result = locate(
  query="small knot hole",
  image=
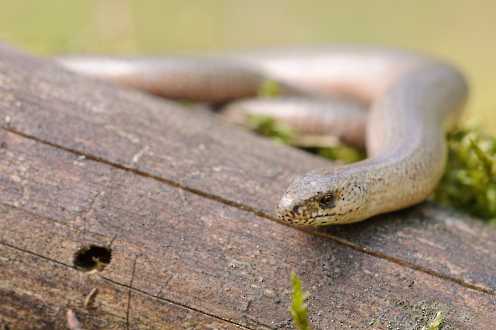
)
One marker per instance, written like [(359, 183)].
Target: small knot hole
[(92, 258)]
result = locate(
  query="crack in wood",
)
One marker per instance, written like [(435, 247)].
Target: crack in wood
[(85, 213), (128, 307)]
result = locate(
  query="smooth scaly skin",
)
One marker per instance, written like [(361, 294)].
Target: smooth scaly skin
[(413, 99)]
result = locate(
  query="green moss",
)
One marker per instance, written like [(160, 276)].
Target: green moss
[(269, 88), (269, 127), (298, 308), (436, 323), (469, 182), (341, 152)]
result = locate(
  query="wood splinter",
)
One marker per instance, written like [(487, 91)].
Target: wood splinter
[(90, 299)]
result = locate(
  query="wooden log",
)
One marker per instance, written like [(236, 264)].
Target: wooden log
[(194, 150), (188, 200)]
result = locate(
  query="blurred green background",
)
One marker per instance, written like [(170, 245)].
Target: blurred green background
[(461, 31)]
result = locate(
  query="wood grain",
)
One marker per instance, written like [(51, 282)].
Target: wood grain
[(195, 252), (37, 292), (193, 149), (188, 199)]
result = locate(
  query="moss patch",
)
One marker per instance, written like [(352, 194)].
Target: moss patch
[(469, 182)]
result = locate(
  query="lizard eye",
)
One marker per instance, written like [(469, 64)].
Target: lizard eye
[(328, 201), (296, 208)]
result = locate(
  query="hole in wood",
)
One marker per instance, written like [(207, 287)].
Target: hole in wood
[(92, 258)]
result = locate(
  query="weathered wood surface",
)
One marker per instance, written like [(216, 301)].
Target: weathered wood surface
[(189, 200)]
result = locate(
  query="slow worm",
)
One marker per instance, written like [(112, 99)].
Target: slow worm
[(413, 99)]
